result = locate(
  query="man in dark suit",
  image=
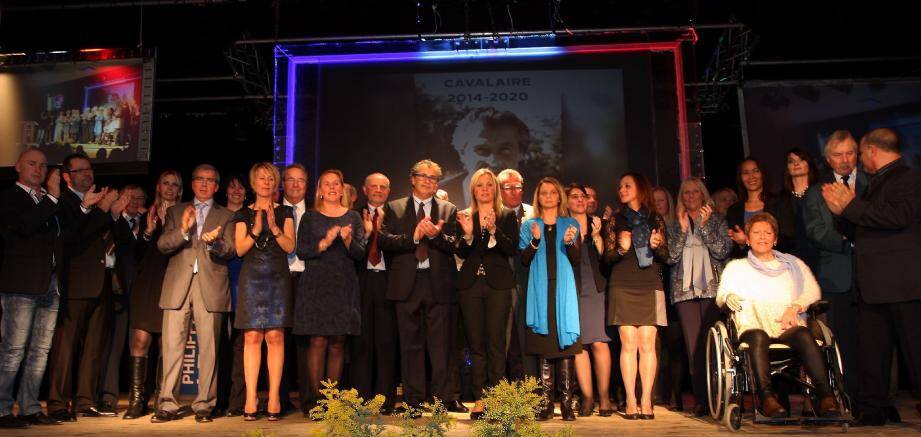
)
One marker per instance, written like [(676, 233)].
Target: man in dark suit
[(29, 286), (519, 365), (834, 242), (84, 328), (887, 245), (374, 353), (417, 238), (199, 236), (125, 232)]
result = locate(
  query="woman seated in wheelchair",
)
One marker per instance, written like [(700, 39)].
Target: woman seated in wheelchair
[(769, 292)]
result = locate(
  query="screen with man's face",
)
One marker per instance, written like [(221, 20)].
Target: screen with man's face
[(549, 117)]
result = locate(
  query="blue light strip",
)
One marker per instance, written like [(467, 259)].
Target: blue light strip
[(430, 56)]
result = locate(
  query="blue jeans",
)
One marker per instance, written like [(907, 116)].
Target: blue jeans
[(27, 328)]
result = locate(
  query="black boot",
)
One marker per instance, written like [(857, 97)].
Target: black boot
[(137, 400), (567, 384), (545, 367)]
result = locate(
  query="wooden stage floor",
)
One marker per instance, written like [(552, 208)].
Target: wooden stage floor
[(665, 423)]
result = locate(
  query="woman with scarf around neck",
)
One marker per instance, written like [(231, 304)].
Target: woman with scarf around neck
[(698, 245), (636, 246), (548, 242), (769, 291)]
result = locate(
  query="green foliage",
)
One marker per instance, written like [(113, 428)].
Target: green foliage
[(435, 426), (257, 433), (509, 411), (344, 413)]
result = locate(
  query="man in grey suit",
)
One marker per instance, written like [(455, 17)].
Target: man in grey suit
[(199, 236), (834, 240)]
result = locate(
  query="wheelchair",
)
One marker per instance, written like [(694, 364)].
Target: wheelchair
[(730, 378)]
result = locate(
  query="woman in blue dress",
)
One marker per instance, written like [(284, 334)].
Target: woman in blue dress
[(264, 238)]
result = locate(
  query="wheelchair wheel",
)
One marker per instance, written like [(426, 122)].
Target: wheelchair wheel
[(836, 370), (733, 417), (717, 382)]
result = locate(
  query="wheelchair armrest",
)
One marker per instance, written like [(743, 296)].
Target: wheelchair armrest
[(818, 307)]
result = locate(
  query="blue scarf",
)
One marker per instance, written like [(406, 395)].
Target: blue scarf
[(567, 300), (787, 262), (638, 221)]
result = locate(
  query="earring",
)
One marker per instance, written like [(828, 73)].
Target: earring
[(321, 196)]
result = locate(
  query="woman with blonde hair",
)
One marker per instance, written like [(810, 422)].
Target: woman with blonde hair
[(664, 204), (264, 236), (698, 246), (488, 237), (548, 244), (331, 238), (144, 313)]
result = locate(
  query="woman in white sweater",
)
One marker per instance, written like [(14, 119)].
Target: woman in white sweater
[(769, 291)]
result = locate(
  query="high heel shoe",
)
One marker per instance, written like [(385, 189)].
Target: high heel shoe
[(249, 417), (273, 417), (631, 416), (644, 416)]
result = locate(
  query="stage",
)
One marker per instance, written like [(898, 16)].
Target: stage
[(666, 423)]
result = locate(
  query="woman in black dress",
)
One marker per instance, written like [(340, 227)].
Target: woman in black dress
[(330, 240), (548, 247), (799, 174), (486, 281), (592, 287), (754, 198), (264, 238), (144, 313), (637, 249)]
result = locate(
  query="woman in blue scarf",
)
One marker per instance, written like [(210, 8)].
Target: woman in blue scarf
[(635, 244), (548, 243)]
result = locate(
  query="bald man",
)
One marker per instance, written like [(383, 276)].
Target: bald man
[(29, 286)]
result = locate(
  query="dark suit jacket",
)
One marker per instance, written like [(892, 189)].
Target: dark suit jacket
[(835, 266), (32, 242), (127, 251), (888, 235), (84, 247), (396, 240), (594, 261), (495, 260), (779, 207)]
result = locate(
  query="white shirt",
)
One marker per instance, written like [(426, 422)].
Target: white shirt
[(851, 181), (37, 197), (765, 298), (296, 264), (427, 207), (381, 265)]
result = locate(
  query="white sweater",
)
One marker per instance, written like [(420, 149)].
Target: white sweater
[(765, 298)]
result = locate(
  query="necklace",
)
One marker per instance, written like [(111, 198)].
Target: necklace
[(798, 194)]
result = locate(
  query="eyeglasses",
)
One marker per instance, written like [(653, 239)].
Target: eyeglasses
[(427, 177), (512, 187), (80, 170), (578, 196), (203, 180), (301, 181)]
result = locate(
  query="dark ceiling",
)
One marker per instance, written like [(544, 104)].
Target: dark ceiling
[(193, 37)]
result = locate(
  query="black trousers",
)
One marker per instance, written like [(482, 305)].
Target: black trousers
[(114, 350), (881, 326), (486, 313), (373, 369), (425, 324), (842, 317), (82, 333), (801, 340), (697, 316)]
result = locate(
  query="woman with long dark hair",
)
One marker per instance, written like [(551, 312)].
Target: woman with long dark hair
[(754, 198), (636, 246), (799, 174)]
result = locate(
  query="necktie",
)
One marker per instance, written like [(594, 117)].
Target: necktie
[(844, 180), (519, 214), (374, 251), (200, 217), (133, 226), (422, 250)]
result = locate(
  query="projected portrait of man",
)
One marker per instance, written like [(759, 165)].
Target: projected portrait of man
[(489, 138)]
